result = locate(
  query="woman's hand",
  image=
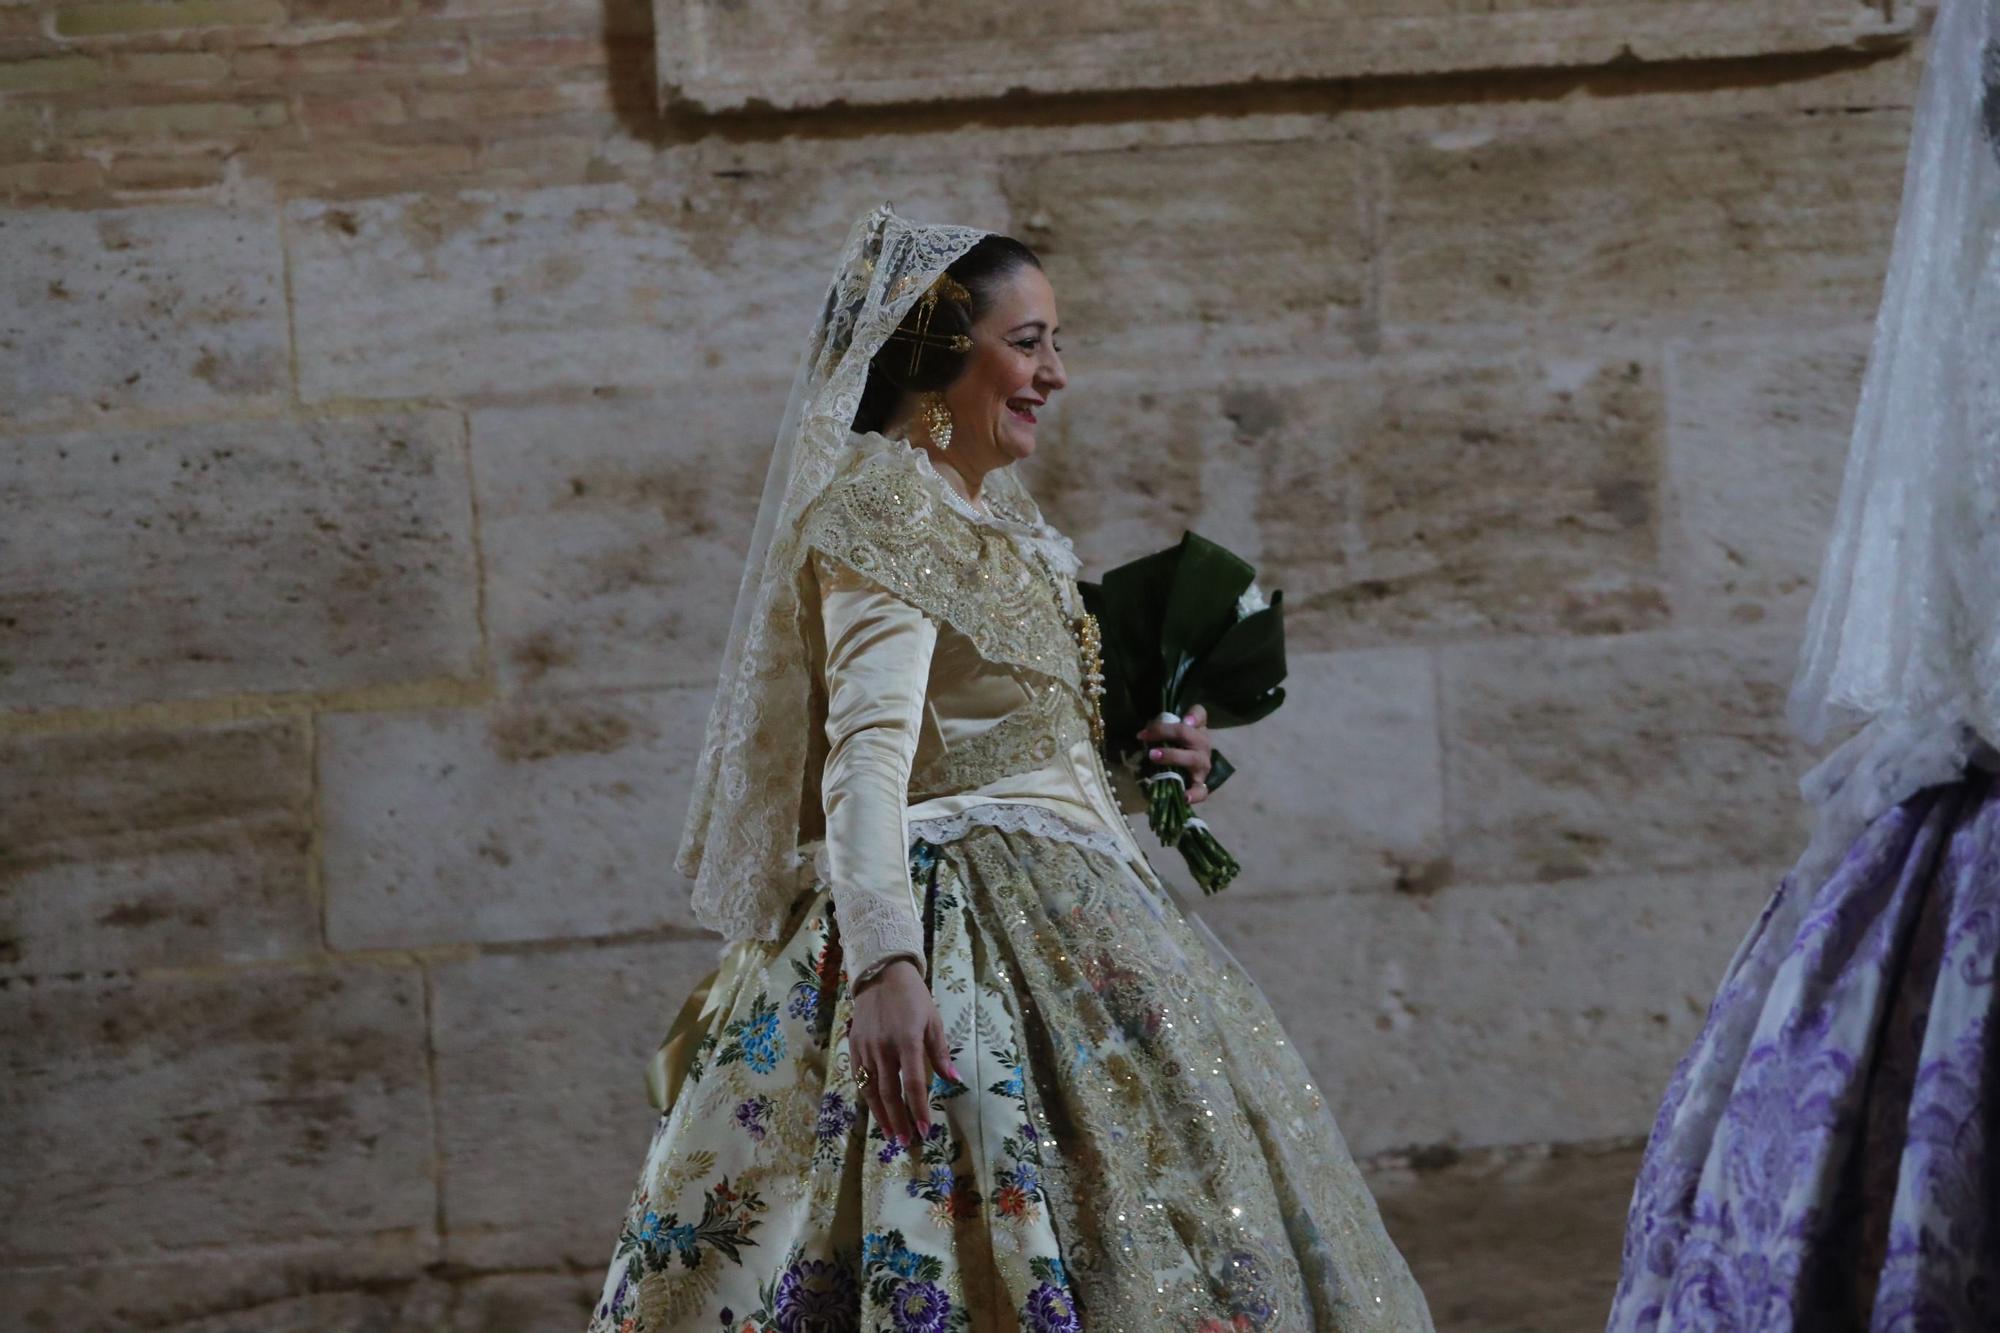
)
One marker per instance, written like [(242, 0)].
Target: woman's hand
[(896, 1040), (1186, 745)]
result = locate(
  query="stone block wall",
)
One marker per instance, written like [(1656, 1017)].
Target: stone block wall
[(385, 391)]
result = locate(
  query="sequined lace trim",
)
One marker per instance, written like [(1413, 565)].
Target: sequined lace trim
[(1029, 738), (889, 521)]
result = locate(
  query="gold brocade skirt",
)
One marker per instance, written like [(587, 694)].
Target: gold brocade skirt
[(1135, 1147)]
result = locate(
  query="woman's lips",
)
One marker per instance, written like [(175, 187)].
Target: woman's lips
[(1022, 412)]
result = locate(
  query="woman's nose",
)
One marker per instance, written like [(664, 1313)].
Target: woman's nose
[(1051, 376)]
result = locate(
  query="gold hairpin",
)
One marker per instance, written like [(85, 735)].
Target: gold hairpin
[(943, 287)]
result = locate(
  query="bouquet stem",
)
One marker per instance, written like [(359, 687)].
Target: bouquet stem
[(1208, 860), (1167, 807), (1170, 815)]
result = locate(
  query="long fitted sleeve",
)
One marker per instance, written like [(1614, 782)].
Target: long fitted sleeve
[(878, 656)]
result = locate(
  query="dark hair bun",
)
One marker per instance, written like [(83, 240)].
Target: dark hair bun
[(922, 354), (910, 363)]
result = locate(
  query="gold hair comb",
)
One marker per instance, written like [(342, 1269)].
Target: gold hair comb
[(943, 287)]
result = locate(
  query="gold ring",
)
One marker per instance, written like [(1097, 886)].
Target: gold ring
[(860, 1077)]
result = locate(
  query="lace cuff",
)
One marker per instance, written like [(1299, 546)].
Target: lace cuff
[(875, 933)]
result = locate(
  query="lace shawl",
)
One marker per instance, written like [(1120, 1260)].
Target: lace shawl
[(891, 518)]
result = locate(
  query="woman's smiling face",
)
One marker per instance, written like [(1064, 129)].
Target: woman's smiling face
[(1013, 370)]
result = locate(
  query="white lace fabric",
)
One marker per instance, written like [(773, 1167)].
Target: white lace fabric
[(1904, 633), (1015, 817), (755, 782)]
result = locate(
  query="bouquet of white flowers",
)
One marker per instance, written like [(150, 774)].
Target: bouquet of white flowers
[(1186, 626)]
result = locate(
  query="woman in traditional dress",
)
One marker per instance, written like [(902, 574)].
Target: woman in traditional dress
[(1824, 1160), (966, 1065)]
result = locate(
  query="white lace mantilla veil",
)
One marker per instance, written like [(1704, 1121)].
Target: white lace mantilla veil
[(1904, 634), (753, 790)]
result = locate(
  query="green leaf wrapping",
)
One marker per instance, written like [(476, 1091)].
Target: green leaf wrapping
[(1238, 679), (1200, 604), (1172, 639)]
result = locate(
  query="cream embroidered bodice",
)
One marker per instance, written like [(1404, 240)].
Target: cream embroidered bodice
[(950, 690)]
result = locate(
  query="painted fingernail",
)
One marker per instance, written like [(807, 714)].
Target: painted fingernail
[(952, 1070), (1154, 753)]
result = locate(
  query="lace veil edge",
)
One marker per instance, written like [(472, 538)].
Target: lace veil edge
[(749, 801), (1903, 639)]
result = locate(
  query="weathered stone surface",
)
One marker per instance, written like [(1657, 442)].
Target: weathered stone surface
[(173, 169), (588, 285), (614, 531), (266, 1105), (379, 1285), (1476, 1017), (1757, 448), (1198, 249), (360, 167), (1662, 223), (1660, 752), (45, 74), (131, 850), (1412, 499), (1421, 500), (530, 820), (120, 18), (542, 1094), (371, 1284), (1523, 1242), (250, 556), (722, 56), (139, 307), (531, 1302), (165, 68), (22, 128), (328, 61), (174, 120), (1340, 791), (1124, 469), (48, 181)]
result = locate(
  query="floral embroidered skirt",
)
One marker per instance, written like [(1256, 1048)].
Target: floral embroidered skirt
[(1136, 1147), (1823, 1161)]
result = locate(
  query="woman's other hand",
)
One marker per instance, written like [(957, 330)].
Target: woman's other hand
[(898, 1039), (1185, 745)]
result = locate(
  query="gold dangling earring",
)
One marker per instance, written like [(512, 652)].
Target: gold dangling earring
[(937, 420)]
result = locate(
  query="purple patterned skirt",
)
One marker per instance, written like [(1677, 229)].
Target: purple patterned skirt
[(1822, 1160)]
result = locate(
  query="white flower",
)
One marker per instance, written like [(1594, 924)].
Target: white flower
[(1251, 602)]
